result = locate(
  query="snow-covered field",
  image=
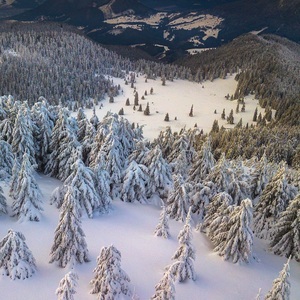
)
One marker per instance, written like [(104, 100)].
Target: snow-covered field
[(129, 227), (176, 98)]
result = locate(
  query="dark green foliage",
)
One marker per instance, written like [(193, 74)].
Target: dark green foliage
[(191, 112), (147, 110), (127, 102), (167, 119), (223, 115), (230, 118), (121, 112)]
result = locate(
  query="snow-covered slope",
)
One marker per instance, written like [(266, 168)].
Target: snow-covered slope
[(129, 227)]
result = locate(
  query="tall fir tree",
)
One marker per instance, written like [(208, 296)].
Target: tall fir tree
[(162, 228), (165, 289), (183, 267), (110, 280), (273, 201), (66, 288), (178, 201), (281, 285), (3, 204), (135, 183), (27, 204), (16, 260), (6, 160), (285, 236), (69, 244), (234, 239), (14, 178)]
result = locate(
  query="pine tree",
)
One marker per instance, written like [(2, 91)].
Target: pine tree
[(273, 201), (22, 140), (6, 160), (14, 178), (69, 241), (285, 237), (178, 201), (110, 281), (281, 285), (183, 267), (162, 228), (238, 231), (3, 204), (102, 182), (27, 204), (223, 115), (6, 130), (16, 260), (203, 165), (82, 179), (191, 114), (255, 115), (66, 287), (147, 110), (134, 183), (165, 289), (167, 118), (238, 189)]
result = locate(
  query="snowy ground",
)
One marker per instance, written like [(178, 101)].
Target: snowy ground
[(176, 98), (130, 228)]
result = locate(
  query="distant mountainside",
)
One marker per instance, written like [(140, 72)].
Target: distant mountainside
[(165, 29), (268, 66)]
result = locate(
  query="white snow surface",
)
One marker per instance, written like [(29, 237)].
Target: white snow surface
[(176, 98), (130, 227)]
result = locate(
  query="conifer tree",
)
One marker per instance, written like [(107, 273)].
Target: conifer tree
[(203, 165), (183, 267), (6, 160), (285, 237), (102, 182), (255, 115), (139, 154), (3, 204), (22, 140), (110, 280), (27, 204), (230, 118), (66, 287), (83, 181), (162, 228), (273, 201), (191, 114), (69, 244), (165, 289), (6, 129), (14, 178), (238, 231), (238, 189), (135, 183), (178, 201), (147, 110), (167, 118), (16, 260), (281, 285)]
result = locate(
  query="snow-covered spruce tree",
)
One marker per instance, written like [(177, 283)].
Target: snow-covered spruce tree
[(6, 160), (165, 289), (110, 280), (114, 158), (285, 236), (3, 204), (87, 142), (139, 154), (183, 267), (178, 201), (27, 204), (273, 201), (66, 287), (180, 165), (180, 145), (238, 243), (16, 260), (260, 177), (43, 120), (216, 209), (63, 141), (238, 189), (201, 196), (159, 172), (162, 228), (14, 178), (6, 129), (82, 124), (220, 174), (69, 244), (203, 164), (135, 182), (165, 140), (281, 285), (82, 181), (102, 184), (22, 140)]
